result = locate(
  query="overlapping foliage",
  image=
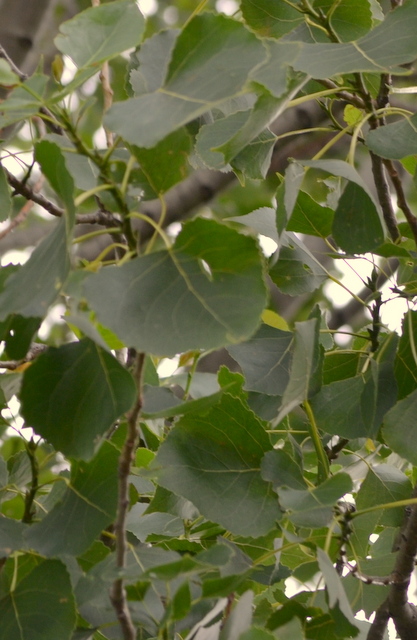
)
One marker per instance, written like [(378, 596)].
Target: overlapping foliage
[(226, 486)]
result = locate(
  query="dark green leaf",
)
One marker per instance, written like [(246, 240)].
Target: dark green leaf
[(305, 366), (384, 484), (400, 427), (314, 508), (34, 287), (191, 88), (265, 360), (337, 408), (167, 163), (102, 32), (296, 271), (310, 217), (357, 226), (73, 394), (11, 536), (52, 163), (395, 140), (369, 53), (214, 460), (208, 265), (87, 506), (405, 365), (350, 19), (153, 59), (270, 19), (282, 470), (41, 606), (5, 198)]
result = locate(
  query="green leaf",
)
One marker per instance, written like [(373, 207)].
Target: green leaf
[(52, 163), (282, 470), (208, 265), (405, 365), (265, 360), (143, 525), (24, 101), (310, 218), (384, 484), (349, 19), (314, 508), (167, 163), (357, 226), (304, 367), (270, 19), (296, 271), (400, 427), (191, 88), (73, 394), (153, 59), (396, 140), (34, 287), (41, 606), (11, 536), (86, 508), (369, 53), (5, 197), (100, 33), (214, 460), (261, 220), (337, 595), (7, 77), (337, 408)]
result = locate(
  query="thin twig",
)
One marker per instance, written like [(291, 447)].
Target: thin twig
[(118, 593), (401, 199), (351, 98), (384, 196), (31, 447)]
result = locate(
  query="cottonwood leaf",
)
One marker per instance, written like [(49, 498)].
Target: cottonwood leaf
[(314, 508), (33, 288), (369, 53), (350, 19), (384, 484), (357, 227), (73, 394), (265, 360), (305, 366), (213, 460), (41, 606), (53, 166), (396, 140), (206, 292), (337, 408), (296, 271), (86, 508), (270, 19), (153, 59), (262, 220), (400, 427), (310, 218), (11, 535), (102, 32), (5, 196), (405, 365), (24, 101), (191, 88)]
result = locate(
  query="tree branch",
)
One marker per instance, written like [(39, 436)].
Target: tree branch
[(401, 199), (118, 593)]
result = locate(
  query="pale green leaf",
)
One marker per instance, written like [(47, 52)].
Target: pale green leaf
[(349, 19), (171, 301), (7, 77), (41, 606), (337, 408), (310, 218), (86, 508), (270, 19), (213, 460), (73, 394), (357, 227), (384, 484), (153, 58), (102, 32), (24, 101), (262, 220), (52, 163)]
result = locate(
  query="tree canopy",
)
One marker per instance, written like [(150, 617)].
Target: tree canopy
[(196, 441)]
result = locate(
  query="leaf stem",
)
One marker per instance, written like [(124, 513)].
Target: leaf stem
[(322, 460)]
